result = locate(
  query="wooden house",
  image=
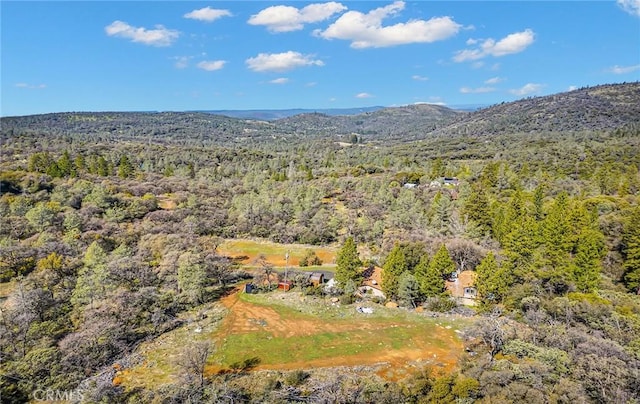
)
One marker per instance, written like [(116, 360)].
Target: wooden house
[(316, 278)]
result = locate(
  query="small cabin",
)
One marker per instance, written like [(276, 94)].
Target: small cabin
[(470, 292), (285, 285), (316, 278)]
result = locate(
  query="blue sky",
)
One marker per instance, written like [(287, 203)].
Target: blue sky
[(188, 55)]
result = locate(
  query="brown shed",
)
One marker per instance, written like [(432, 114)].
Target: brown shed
[(316, 278), (285, 285)]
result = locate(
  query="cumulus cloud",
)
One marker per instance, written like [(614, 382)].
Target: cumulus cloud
[(281, 80), (623, 69), (160, 36), (419, 78), (367, 31), (630, 6), (572, 88), (207, 14), (494, 80), (288, 18), (512, 43), (31, 86), (527, 89), (363, 95), (211, 65), (280, 62), (479, 90)]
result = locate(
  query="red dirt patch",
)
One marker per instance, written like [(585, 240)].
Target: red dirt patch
[(395, 364)]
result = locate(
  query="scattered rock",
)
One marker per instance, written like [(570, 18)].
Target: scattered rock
[(392, 305)]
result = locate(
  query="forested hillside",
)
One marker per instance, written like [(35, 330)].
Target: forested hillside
[(111, 223)]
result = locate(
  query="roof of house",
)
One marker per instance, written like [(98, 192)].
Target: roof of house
[(465, 279), (373, 277)]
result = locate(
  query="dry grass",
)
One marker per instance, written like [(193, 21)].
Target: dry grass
[(247, 251)]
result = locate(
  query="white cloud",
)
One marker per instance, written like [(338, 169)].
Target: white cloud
[(510, 44), (623, 69), (211, 65), (280, 62), (181, 62), (160, 36), (281, 80), (479, 90), (494, 80), (363, 95), (529, 88), (419, 78), (31, 86), (367, 31), (288, 18), (630, 6), (311, 84), (207, 14), (571, 88)]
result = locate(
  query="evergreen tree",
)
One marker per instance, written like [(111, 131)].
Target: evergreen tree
[(79, 163), (348, 263), (191, 276), (588, 260), (65, 165), (441, 263), (394, 266), (556, 232), (492, 280), (125, 169), (91, 283), (102, 167), (538, 203), (477, 209), (430, 279), (631, 250), (408, 290)]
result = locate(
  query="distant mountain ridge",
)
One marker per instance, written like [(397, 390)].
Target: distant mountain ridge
[(600, 108), (273, 114)]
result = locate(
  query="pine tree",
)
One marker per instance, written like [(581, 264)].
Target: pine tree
[(492, 280), (631, 250), (430, 280), (538, 202), (408, 290), (91, 283), (102, 167), (348, 263), (125, 169), (588, 260), (394, 266), (477, 209), (441, 263), (65, 165), (191, 276), (556, 232)]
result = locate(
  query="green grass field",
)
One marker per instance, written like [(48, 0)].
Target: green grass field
[(287, 331), (249, 250)]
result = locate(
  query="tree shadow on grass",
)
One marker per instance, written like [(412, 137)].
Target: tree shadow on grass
[(245, 365)]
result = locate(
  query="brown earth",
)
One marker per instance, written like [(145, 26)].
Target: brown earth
[(245, 317)]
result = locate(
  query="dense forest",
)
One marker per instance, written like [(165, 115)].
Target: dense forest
[(110, 224)]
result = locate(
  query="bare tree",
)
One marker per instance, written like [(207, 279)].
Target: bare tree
[(193, 360)]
